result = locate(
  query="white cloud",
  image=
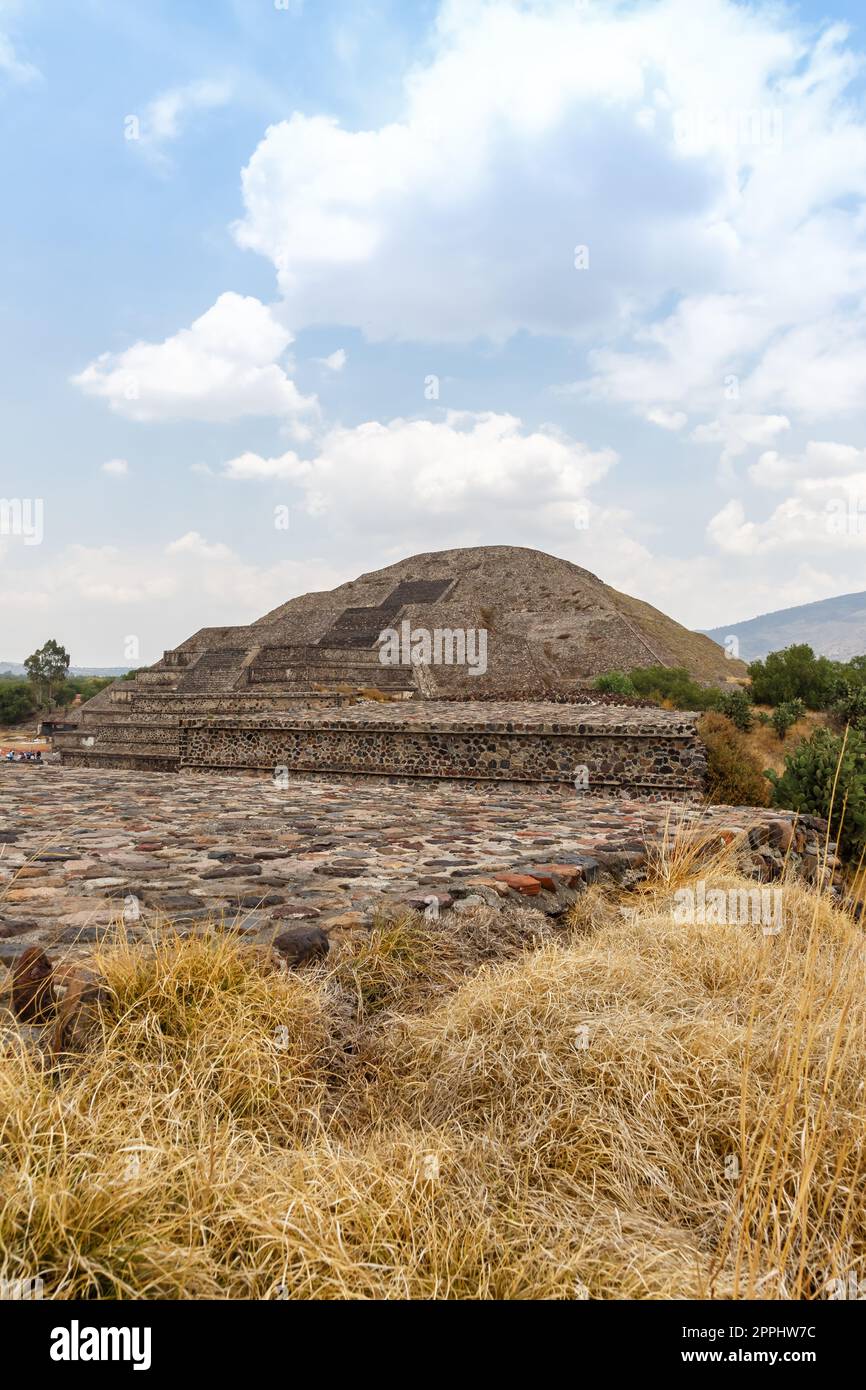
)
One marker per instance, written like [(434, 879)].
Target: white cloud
[(667, 419), (117, 468), (12, 66), (822, 515), (818, 369), (418, 478), (707, 590), (519, 138), (166, 116), (463, 214), (819, 460), (725, 291), (226, 365), (336, 362), (94, 598), (251, 466), (737, 433), (194, 544)]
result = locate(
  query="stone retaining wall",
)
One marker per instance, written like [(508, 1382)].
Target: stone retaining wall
[(644, 756), (649, 752)]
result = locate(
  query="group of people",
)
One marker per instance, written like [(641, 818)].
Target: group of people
[(18, 755)]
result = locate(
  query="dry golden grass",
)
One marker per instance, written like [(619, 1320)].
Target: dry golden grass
[(769, 749), (486, 1107)]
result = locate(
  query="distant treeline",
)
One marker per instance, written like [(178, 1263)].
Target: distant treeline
[(793, 674), (19, 699)]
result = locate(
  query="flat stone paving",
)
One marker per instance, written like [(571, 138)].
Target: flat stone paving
[(75, 843), (533, 716)]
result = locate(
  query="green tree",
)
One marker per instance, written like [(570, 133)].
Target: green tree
[(48, 668), (795, 673), (16, 701)]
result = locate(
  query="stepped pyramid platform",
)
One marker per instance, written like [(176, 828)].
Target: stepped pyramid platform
[(282, 692)]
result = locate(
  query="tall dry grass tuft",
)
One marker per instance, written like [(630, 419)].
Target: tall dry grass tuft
[(486, 1107)]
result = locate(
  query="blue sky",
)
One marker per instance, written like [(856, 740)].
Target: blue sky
[(577, 275)]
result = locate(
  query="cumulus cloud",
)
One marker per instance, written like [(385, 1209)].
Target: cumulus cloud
[(703, 152), (819, 460), (707, 590), (738, 432), (708, 157), (824, 511), (421, 476), (461, 218), (821, 515), (226, 365), (116, 468)]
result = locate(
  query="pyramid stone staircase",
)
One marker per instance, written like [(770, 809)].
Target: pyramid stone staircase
[(137, 723)]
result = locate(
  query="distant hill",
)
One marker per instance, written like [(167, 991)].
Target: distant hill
[(834, 627), (14, 668)]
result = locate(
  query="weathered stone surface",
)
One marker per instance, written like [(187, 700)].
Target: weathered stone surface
[(301, 945), (649, 752), (549, 875), (386, 846), (521, 883), (73, 936), (231, 871), (296, 910), (14, 928)]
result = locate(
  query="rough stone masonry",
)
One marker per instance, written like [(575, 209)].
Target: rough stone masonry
[(87, 852)]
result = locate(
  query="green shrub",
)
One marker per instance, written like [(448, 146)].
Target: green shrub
[(795, 673), (850, 705), (784, 716), (734, 776), (614, 683), (674, 684), (736, 705), (809, 777)]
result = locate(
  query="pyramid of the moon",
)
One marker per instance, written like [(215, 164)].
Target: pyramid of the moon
[(535, 625)]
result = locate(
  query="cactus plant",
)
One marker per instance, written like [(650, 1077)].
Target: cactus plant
[(813, 769), (850, 705)]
